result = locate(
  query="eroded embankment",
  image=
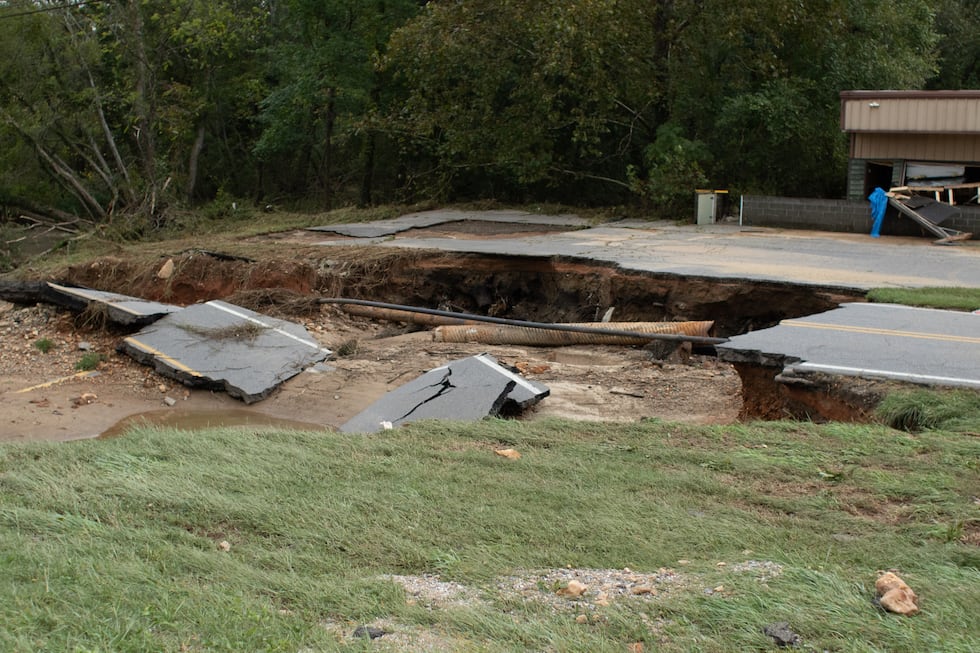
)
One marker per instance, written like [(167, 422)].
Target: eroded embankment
[(537, 289)]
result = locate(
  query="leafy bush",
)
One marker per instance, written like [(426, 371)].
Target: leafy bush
[(673, 170)]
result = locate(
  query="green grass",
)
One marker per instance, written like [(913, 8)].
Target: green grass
[(113, 545), (89, 361), (957, 299), (923, 409), (44, 345)]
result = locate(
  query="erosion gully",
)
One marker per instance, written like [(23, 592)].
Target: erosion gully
[(535, 289)]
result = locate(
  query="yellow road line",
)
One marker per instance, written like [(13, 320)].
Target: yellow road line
[(159, 354), (883, 332), (79, 375)]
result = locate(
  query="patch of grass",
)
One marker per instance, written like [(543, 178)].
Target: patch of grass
[(347, 348), (89, 361), (925, 409), (114, 544), (241, 331), (957, 299), (44, 345)]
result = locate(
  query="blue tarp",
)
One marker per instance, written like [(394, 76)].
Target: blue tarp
[(879, 202)]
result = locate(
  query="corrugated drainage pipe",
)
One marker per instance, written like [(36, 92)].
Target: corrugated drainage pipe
[(513, 335), (677, 337)]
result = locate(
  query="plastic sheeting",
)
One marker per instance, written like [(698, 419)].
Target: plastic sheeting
[(879, 203)]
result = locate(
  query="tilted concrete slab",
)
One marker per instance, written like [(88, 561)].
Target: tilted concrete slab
[(468, 389), (881, 341), (432, 218), (121, 309), (222, 345)]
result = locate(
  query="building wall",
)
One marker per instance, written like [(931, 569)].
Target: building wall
[(953, 148), (849, 216), (938, 113)]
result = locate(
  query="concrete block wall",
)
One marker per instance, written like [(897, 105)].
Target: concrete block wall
[(849, 216)]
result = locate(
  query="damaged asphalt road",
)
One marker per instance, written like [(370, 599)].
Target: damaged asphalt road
[(468, 390)]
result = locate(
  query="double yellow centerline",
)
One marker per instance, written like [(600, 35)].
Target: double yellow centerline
[(883, 332)]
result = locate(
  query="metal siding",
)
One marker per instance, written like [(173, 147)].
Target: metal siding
[(930, 115), (926, 147)]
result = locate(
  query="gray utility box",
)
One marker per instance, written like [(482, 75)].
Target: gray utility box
[(708, 206)]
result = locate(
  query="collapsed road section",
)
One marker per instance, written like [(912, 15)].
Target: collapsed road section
[(220, 344), (872, 342), (466, 390)]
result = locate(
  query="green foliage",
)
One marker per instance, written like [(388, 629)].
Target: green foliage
[(958, 24), (673, 167), (922, 410), (125, 113), (961, 299), (516, 95), (89, 361), (44, 345)]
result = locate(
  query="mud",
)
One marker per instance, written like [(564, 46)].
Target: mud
[(591, 383)]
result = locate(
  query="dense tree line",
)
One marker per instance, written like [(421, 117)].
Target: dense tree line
[(116, 111)]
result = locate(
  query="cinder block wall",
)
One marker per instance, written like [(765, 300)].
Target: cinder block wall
[(841, 215)]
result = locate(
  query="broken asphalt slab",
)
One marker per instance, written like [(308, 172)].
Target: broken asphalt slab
[(218, 344), (120, 309), (874, 341), (382, 228), (464, 390)]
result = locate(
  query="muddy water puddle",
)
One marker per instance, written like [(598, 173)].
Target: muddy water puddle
[(199, 420)]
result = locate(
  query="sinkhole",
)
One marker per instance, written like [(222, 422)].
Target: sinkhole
[(552, 289)]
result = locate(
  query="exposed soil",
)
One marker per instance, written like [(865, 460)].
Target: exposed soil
[(282, 275), (42, 398)]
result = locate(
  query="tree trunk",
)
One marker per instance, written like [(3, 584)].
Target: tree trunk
[(193, 163), (144, 104), (367, 181)]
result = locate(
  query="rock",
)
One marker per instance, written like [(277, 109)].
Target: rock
[(581, 619), (781, 634), (510, 454), (85, 346), (166, 270), (225, 546), (642, 589), (636, 647), (895, 595), (889, 581), (84, 399), (170, 401), (369, 632), (900, 602), (573, 590)]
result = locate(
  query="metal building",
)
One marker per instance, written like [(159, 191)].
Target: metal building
[(928, 141)]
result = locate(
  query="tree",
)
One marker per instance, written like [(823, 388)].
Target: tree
[(324, 86), (762, 87), (507, 95), (958, 23), (113, 98)]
